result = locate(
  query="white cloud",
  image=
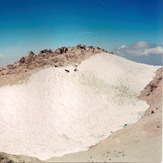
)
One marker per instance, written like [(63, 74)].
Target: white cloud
[(140, 44), (156, 50), (140, 48)]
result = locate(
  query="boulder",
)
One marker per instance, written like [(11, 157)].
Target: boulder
[(22, 60), (31, 54), (61, 50), (29, 60), (30, 57), (81, 46), (10, 66), (46, 51)]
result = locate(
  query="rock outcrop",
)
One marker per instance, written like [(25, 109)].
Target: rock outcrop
[(153, 94), (7, 158), (150, 88)]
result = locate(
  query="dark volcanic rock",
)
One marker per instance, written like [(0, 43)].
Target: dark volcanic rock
[(61, 50), (81, 46), (46, 51), (22, 60)]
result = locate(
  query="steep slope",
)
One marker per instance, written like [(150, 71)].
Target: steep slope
[(138, 142), (77, 106), (153, 94)]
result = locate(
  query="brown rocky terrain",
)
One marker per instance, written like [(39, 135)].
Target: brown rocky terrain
[(8, 158), (153, 94), (31, 63)]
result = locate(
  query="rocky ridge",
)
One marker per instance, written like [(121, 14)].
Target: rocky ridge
[(48, 57), (64, 56)]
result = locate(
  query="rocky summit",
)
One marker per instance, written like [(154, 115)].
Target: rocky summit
[(47, 57)]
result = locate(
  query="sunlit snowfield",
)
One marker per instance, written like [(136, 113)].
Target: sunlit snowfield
[(57, 112)]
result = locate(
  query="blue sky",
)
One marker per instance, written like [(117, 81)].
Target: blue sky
[(38, 24)]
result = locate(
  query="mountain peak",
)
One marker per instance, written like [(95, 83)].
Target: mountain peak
[(62, 56)]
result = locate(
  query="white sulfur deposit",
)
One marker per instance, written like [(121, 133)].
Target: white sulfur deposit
[(57, 112)]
